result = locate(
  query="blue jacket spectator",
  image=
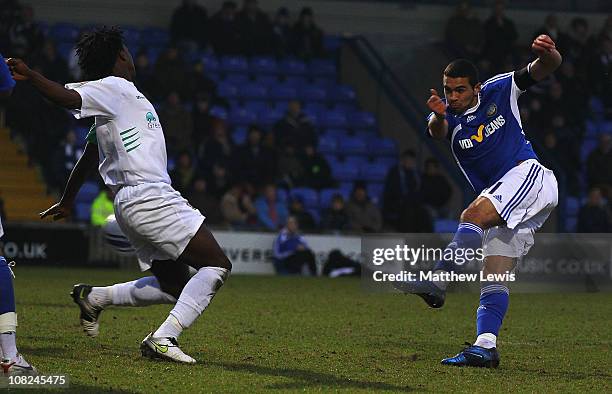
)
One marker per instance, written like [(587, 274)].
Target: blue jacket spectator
[(291, 252), (271, 212)]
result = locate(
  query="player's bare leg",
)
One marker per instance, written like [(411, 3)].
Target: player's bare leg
[(205, 255)]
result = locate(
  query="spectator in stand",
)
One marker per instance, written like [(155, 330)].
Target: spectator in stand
[(24, 35), (317, 173), (219, 179), (364, 216), (500, 37), (281, 32), (188, 27), (225, 31), (144, 79), (594, 216), (576, 94), (200, 83), (296, 209), (290, 168), (183, 174), (464, 33), (51, 64), (255, 29), (551, 29), (255, 162), (177, 124), (436, 191), (402, 185), (271, 212), (599, 166), (335, 218), (237, 207), (203, 121), (291, 252), (580, 47), (600, 73), (295, 127), (66, 157), (170, 73), (307, 37), (218, 148), (205, 202), (102, 208)]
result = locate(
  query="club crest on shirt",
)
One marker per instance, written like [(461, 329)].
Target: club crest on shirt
[(492, 110)]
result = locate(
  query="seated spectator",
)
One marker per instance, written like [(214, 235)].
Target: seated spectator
[(52, 65), (170, 73), (218, 148), (500, 37), (436, 191), (464, 33), (254, 161), (600, 69), (363, 215), (219, 179), (271, 212), (594, 216), (225, 31), (317, 173), (255, 29), (291, 252), (177, 124), (188, 27), (290, 169), (203, 120), (599, 165), (183, 174), (296, 209), (200, 85), (295, 128), (102, 208), (66, 158), (144, 79), (206, 203), (335, 218), (402, 185), (281, 32), (237, 208), (307, 37)]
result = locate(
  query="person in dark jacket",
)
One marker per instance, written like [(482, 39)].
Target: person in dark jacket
[(594, 216)]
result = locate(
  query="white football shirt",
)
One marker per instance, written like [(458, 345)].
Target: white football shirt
[(128, 133)]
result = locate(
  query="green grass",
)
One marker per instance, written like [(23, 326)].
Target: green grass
[(295, 334)]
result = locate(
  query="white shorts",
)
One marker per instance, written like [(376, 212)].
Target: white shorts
[(524, 198), (157, 220)]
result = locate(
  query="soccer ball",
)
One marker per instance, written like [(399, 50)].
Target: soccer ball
[(115, 238)]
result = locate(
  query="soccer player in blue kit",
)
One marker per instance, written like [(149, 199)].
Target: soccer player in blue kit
[(516, 193)]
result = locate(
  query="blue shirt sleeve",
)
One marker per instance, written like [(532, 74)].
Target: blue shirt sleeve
[(6, 80)]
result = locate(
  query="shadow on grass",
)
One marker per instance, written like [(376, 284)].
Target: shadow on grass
[(304, 378)]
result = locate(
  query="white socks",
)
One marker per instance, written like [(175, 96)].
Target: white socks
[(141, 292), (9, 345), (194, 299), (486, 340)]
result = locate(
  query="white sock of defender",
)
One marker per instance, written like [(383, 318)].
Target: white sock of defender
[(486, 340), (194, 299), (140, 292)]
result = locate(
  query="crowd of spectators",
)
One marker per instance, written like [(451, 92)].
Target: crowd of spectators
[(564, 115)]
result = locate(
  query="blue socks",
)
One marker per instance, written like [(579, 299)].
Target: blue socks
[(7, 295), (468, 236), (494, 298)]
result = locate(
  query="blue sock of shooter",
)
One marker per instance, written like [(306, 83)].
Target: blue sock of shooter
[(467, 237), (7, 295), (494, 298)]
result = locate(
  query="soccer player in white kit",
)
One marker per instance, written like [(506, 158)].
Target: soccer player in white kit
[(128, 147)]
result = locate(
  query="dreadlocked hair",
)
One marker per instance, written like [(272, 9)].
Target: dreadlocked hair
[(98, 50)]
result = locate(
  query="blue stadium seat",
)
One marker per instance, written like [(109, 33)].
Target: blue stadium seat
[(283, 92), (64, 32), (362, 120), (346, 188), (606, 127), (597, 106), (571, 224), (336, 133), (375, 192), (309, 197), (280, 105), (227, 90), (572, 206), (269, 117), (131, 35), (331, 159), (281, 195), (218, 112), (382, 147), (346, 107), (82, 212), (387, 162), (256, 106), (356, 160), (445, 226), (324, 82), (588, 145), (342, 93), (236, 64), (292, 67), (373, 172), (64, 49), (327, 144), (171, 163), (322, 67), (315, 106), (237, 79), (334, 119), (326, 195), (592, 128), (267, 80), (296, 81), (365, 134), (253, 91), (154, 37), (89, 191), (216, 77), (211, 63), (263, 65), (312, 93), (242, 117), (353, 146), (313, 115), (239, 135), (345, 172)]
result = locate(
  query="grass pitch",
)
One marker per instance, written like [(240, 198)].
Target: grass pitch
[(315, 334)]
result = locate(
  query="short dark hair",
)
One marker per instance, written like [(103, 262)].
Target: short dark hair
[(98, 50), (462, 68)]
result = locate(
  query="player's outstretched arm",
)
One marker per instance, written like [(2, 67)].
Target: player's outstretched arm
[(548, 57), (81, 171), (55, 92), (438, 125)]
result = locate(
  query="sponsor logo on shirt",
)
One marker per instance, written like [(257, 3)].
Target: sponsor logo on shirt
[(152, 122), (483, 132), (470, 118)]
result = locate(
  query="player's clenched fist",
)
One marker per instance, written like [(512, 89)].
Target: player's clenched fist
[(19, 70), (542, 44), (436, 104)]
